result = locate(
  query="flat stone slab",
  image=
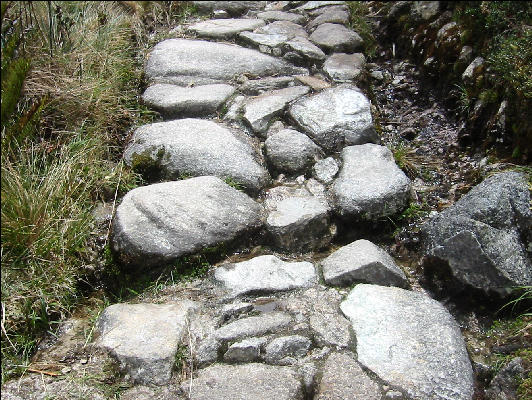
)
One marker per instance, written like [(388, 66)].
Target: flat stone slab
[(245, 382), (281, 16), (336, 38), (335, 15), (370, 184), (285, 349), (158, 223), (196, 147), (175, 101), (335, 117), (184, 62), (343, 378), (362, 261), (255, 87), (259, 111), (313, 5), (303, 49), (286, 28), (265, 274), (253, 326), (246, 350), (234, 8), (224, 28), (144, 337), (263, 39), (314, 82), (341, 67), (331, 329), (411, 341), (291, 151)]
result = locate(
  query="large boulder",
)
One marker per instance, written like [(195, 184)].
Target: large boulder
[(370, 184), (158, 223), (196, 147), (184, 62), (335, 117), (481, 237), (411, 341)]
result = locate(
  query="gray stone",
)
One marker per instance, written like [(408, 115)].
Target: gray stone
[(280, 350), (286, 28), (466, 55), (234, 310), (304, 49), (158, 223), (224, 28), (234, 8), (300, 224), (343, 378), (334, 15), (425, 10), (207, 351), (325, 170), (185, 62), (362, 261), (245, 382), (291, 151), (473, 70), (144, 337), (479, 237), (330, 329), (314, 82), (254, 326), (341, 67), (175, 101), (334, 38), (410, 341), (335, 117), (312, 5), (259, 111), (370, 184), (265, 274), (255, 87), (234, 109), (245, 351), (504, 385), (263, 39), (281, 16), (196, 147), (141, 392)]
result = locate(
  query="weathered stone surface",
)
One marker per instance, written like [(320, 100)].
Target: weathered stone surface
[(334, 38), (325, 170), (370, 184), (473, 70), (291, 151), (334, 15), (411, 341), (341, 67), (330, 329), (362, 261), (234, 8), (314, 82), (265, 274), (245, 351), (184, 61), (480, 236), (255, 87), (335, 117), (245, 382), (253, 326), (304, 49), (224, 28), (282, 349), (504, 385), (285, 28), (343, 378), (140, 392), (259, 111), (263, 39), (207, 351), (281, 16), (176, 101), (425, 10), (144, 337), (300, 224), (158, 223), (312, 5), (196, 147)]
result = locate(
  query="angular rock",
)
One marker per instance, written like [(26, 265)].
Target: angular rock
[(313, 5), (144, 337), (281, 16), (244, 351), (480, 237), (259, 111), (265, 274), (286, 28), (370, 184), (341, 67), (473, 70), (183, 61), (255, 87), (334, 15), (291, 151), (175, 101), (335, 38), (304, 49), (325, 170), (195, 147), (335, 117), (314, 82), (207, 352), (234, 8), (280, 349), (330, 329), (263, 39), (224, 28), (254, 326), (504, 385), (343, 378), (158, 223), (410, 341), (300, 224), (362, 261), (245, 382)]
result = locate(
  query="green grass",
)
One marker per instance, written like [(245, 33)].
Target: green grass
[(358, 21)]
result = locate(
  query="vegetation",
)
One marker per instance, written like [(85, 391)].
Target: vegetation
[(358, 21), (71, 74)]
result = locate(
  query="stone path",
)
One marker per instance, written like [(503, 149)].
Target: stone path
[(283, 120)]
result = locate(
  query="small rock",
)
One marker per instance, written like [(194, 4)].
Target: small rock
[(286, 346), (335, 15), (504, 385), (314, 82), (207, 352), (305, 49), (330, 329), (263, 39), (336, 38), (473, 70), (253, 326), (291, 151), (281, 16), (256, 87), (325, 170), (341, 67), (286, 28), (245, 351), (224, 28)]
